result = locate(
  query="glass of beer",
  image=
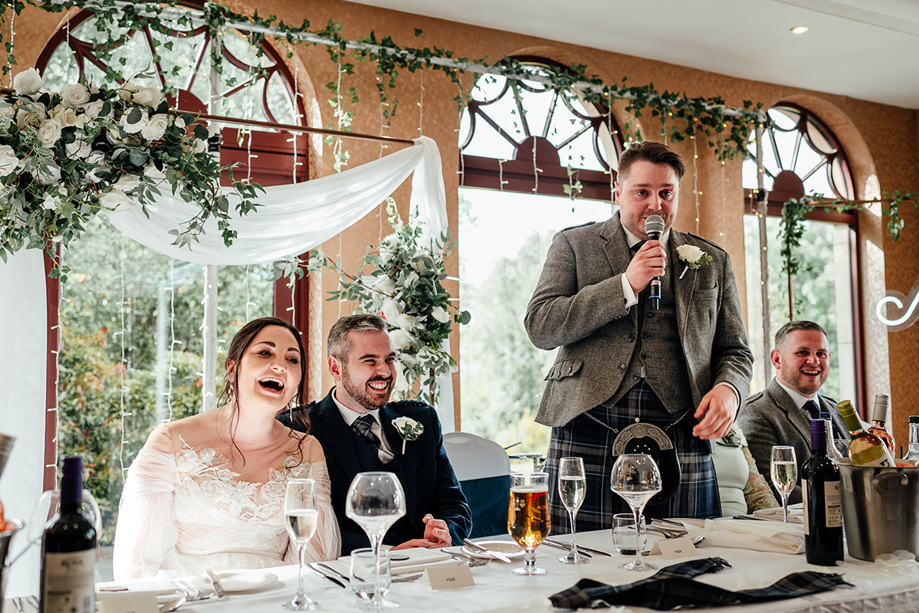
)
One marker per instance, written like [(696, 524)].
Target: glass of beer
[(528, 516)]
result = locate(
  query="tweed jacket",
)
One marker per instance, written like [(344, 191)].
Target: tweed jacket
[(770, 417), (424, 470), (579, 306)]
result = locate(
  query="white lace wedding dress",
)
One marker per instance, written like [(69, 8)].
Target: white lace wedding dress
[(186, 507)]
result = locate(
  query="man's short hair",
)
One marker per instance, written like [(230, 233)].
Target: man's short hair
[(338, 343), (794, 326), (650, 151)]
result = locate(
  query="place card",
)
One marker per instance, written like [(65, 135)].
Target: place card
[(449, 577), (128, 602), (676, 548)]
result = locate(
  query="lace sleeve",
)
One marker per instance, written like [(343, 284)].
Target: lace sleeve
[(146, 528), (326, 543)]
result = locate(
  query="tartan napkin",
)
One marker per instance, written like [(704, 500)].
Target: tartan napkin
[(673, 588)]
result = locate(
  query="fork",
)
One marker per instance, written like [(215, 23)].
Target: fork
[(469, 560)]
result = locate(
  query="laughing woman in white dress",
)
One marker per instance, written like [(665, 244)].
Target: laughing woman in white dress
[(208, 490)]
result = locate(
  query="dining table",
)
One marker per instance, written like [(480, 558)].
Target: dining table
[(889, 584)]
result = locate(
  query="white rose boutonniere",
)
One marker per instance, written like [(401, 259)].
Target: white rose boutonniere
[(408, 429), (693, 257)]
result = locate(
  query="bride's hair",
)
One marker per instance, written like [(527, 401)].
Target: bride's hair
[(235, 353)]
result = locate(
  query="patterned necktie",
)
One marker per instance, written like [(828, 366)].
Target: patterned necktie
[(634, 249), (811, 407), (362, 426)]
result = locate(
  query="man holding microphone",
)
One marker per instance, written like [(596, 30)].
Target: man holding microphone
[(649, 328)]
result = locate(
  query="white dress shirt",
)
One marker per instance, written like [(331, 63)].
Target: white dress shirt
[(350, 416)]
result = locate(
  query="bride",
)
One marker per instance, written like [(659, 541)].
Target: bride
[(208, 490)]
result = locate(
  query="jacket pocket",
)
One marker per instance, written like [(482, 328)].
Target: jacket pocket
[(564, 368)]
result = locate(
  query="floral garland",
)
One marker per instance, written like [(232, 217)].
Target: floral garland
[(64, 156), (405, 287)]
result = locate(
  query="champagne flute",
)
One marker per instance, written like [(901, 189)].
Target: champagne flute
[(572, 486), (375, 501), (784, 471), (528, 516), (636, 477), (302, 516)]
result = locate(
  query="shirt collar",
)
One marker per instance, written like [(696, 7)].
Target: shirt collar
[(350, 415), (796, 397), (633, 240)]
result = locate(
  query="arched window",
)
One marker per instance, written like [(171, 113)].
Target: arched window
[(801, 155), (533, 161), (131, 319)]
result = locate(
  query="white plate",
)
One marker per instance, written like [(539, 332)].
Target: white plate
[(508, 548), (235, 582)]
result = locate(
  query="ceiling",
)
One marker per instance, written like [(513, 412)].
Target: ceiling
[(865, 50)]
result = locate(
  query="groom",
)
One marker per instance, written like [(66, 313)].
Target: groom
[(354, 424)]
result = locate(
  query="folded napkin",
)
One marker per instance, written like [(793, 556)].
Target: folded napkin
[(755, 535), (406, 561), (795, 514), (673, 587), (151, 585)]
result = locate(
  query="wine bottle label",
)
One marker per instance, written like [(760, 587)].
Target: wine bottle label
[(804, 508), (876, 455), (832, 492), (69, 582)]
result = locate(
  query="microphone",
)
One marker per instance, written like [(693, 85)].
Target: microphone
[(654, 228)]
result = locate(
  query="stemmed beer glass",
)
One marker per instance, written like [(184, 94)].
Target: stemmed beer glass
[(375, 501), (784, 470), (302, 517), (572, 486), (528, 516), (636, 477)]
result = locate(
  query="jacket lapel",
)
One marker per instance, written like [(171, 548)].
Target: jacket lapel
[(616, 248), (405, 463), (682, 288), (338, 442), (795, 415)]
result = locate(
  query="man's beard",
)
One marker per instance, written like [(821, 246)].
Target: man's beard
[(359, 392)]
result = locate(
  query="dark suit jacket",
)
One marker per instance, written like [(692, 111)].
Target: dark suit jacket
[(424, 471), (579, 306), (770, 418)]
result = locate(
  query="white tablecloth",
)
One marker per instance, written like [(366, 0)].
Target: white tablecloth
[(879, 587)]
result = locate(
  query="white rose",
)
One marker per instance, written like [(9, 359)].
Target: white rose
[(180, 123), (410, 280), (689, 253), (75, 95), (49, 175), (134, 128), (98, 160), (93, 109), (127, 183), (8, 160), (49, 131), (127, 90), (114, 137), (78, 148), (50, 203), (30, 114), (392, 311), (113, 199), (401, 385), (385, 254), (401, 339), (27, 82), (152, 172), (67, 117), (156, 128), (200, 146), (440, 315), (148, 96), (8, 111), (384, 284)]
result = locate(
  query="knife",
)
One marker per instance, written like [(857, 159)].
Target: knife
[(322, 573), (218, 589), (581, 548), (565, 547), (476, 547), (334, 572)]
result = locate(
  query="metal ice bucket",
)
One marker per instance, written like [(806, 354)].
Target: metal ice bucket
[(5, 537), (880, 509)]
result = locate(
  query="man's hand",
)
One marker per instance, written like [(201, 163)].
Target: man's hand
[(719, 408), (649, 262), (436, 534)]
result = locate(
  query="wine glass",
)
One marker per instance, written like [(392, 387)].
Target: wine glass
[(375, 501), (528, 516), (784, 471), (637, 479), (302, 517), (572, 485)]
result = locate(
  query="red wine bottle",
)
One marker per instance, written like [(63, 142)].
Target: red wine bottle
[(68, 550), (821, 491)]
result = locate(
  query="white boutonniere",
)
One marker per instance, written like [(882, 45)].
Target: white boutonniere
[(693, 257), (408, 429)]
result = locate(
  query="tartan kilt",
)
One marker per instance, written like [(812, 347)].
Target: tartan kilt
[(696, 496)]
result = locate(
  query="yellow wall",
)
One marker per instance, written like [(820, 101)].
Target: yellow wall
[(879, 139)]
